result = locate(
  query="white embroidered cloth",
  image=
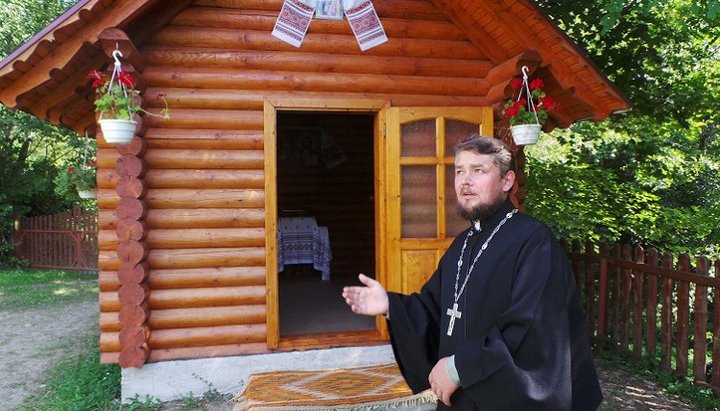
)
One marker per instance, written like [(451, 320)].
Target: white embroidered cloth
[(302, 241), (292, 24)]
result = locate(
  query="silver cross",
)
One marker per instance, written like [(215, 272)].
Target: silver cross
[(453, 313)]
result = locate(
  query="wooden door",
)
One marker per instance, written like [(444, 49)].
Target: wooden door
[(421, 204)]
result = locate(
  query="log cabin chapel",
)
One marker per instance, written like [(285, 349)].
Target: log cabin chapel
[(228, 231)]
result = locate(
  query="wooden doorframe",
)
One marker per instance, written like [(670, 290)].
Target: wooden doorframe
[(271, 107)]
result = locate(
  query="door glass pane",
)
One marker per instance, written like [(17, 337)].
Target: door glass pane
[(454, 224), (418, 202), (455, 132), (418, 138)]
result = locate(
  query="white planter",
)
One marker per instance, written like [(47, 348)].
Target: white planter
[(117, 131), (87, 193), (525, 134)]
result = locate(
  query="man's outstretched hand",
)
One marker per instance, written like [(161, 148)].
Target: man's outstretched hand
[(372, 299)]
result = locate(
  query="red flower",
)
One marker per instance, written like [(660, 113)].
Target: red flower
[(97, 77), (520, 103), (70, 169), (126, 79), (516, 83), (536, 84), (548, 102), (511, 111)]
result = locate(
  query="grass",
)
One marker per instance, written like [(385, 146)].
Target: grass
[(681, 386), (79, 382), (22, 289)]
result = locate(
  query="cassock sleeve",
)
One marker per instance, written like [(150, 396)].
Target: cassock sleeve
[(414, 326), (524, 361)]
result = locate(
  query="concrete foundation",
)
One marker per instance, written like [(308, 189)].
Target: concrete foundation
[(171, 380)]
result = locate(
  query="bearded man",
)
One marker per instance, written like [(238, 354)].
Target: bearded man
[(499, 325)]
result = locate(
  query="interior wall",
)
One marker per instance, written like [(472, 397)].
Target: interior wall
[(338, 188)]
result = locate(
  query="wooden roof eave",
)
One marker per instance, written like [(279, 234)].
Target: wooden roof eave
[(60, 56)]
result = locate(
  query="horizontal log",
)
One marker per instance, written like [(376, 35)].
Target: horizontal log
[(205, 159), (110, 322), (192, 118), (208, 257), (336, 44), (313, 98), (415, 9), (207, 317), (178, 138), (185, 218), (110, 342), (265, 21), (207, 297), (108, 261), (318, 62), (225, 198), (186, 199), (201, 336), (187, 238), (207, 277), (109, 357), (164, 76), (166, 354), (191, 278), (192, 258), (191, 179)]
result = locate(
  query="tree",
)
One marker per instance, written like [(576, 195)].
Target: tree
[(649, 176), (31, 150)]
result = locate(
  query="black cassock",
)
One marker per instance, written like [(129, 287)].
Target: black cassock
[(521, 342)]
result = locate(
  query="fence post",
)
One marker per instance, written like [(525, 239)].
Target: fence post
[(715, 381), (603, 291), (589, 285), (683, 317), (700, 315), (638, 308), (667, 317), (652, 301)]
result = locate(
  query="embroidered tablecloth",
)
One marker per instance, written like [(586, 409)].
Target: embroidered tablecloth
[(302, 241)]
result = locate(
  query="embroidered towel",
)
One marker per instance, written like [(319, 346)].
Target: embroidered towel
[(365, 23), (294, 20)]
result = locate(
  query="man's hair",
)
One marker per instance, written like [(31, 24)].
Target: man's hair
[(501, 155)]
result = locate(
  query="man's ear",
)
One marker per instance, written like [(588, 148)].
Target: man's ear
[(508, 181)]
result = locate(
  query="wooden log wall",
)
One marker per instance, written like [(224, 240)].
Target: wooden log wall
[(637, 284), (215, 63)]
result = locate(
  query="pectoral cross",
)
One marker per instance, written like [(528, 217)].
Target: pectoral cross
[(453, 313)]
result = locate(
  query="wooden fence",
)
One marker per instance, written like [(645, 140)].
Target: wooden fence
[(653, 305), (65, 240)]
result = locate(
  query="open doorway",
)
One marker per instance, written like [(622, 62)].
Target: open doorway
[(326, 218)]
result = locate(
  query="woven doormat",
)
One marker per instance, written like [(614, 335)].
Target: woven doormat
[(361, 388)]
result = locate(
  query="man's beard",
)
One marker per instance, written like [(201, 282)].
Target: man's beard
[(481, 212)]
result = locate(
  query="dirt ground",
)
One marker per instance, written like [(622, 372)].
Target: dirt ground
[(32, 340)]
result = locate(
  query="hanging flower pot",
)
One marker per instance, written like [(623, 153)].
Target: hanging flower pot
[(524, 134), (117, 131), (86, 194), (529, 110), (117, 101)]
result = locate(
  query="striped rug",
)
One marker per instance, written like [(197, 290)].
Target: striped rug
[(363, 388)]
